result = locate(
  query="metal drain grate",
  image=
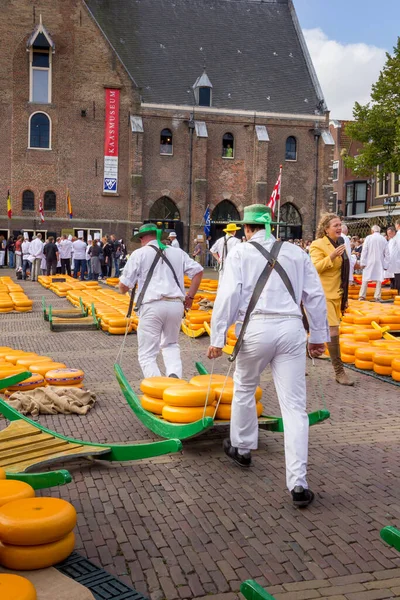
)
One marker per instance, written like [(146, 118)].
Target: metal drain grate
[(102, 585)]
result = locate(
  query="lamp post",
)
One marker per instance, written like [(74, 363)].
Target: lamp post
[(390, 204)]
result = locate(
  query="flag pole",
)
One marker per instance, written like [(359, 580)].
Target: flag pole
[(279, 201)]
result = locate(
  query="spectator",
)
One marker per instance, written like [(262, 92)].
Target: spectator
[(52, 255), (88, 259), (117, 256), (198, 251), (79, 248), (174, 241), (26, 254), (94, 252), (2, 251), (36, 255), (374, 260), (107, 250), (11, 251), (18, 252), (65, 251)]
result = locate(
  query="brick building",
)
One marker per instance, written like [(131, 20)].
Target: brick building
[(213, 96)]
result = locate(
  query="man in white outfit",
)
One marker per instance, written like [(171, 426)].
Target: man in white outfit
[(374, 261), (36, 250), (396, 257), (224, 245), (347, 244), (79, 250), (159, 271), (173, 240), (274, 336), (65, 251)]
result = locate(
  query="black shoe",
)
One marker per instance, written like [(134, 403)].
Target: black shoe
[(243, 460), (173, 375), (302, 497)]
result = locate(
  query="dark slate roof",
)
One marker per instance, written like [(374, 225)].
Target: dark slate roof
[(252, 49)]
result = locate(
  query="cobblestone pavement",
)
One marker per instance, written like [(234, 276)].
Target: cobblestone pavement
[(192, 525)]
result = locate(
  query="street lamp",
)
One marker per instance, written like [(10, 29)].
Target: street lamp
[(390, 204)]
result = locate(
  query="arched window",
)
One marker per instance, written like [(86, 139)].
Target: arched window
[(50, 201), (224, 212), (28, 200), (166, 146), (291, 148), (228, 146), (164, 209), (39, 131), (290, 216)]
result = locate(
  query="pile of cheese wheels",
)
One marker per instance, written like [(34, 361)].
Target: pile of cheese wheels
[(179, 401), (112, 281), (13, 297), (386, 293), (111, 308), (44, 371), (61, 288), (35, 533), (195, 319)]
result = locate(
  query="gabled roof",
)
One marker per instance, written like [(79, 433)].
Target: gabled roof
[(254, 50), (203, 81), (40, 37)]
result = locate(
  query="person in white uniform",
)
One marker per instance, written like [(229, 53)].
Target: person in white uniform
[(224, 245), (352, 260), (374, 261), (79, 252), (173, 240), (158, 271), (36, 255), (275, 336), (65, 250), (394, 250)]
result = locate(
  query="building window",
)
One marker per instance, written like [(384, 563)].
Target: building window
[(291, 148), (335, 206), (356, 198), (228, 146), (166, 146), (28, 200), (335, 173), (39, 131), (40, 75), (204, 96), (50, 202), (396, 183), (382, 183)]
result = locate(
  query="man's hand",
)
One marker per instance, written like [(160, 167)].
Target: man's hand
[(123, 288), (187, 303), (315, 350), (214, 352)]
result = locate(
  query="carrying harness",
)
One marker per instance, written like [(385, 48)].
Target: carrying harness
[(272, 264), (159, 255), (224, 252)]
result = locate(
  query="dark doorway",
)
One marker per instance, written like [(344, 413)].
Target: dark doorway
[(292, 229), (166, 215), (225, 212)]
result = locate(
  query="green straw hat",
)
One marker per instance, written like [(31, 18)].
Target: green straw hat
[(150, 228), (258, 214)]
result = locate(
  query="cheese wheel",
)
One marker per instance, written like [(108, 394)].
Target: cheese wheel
[(188, 395), (36, 521), (347, 358), (372, 334), (44, 367), (2, 473), (396, 364), (365, 365), (118, 330), (14, 490), (227, 394), (184, 414), (153, 405), (14, 587), (365, 352), (31, 383), (391, 320), (396, 375), (155, 386), (224, 411), (216, 381), (385, 357), (26, 362), (12, 357), (117, 321), (65, 377), (31, 558), (382, 370)]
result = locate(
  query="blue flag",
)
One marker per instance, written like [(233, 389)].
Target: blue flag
[(207, 221)]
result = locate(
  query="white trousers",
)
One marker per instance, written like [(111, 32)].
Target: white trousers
[(2, 257), (159, 326), (282, 344), (35, 269), (363, 290)]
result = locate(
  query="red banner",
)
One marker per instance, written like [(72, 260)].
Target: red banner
[(111, 132)]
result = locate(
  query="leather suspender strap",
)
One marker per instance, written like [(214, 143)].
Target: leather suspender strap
[(278, 268), (159, 254), (260, 285), (224, 252)]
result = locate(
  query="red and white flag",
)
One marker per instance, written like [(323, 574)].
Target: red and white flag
[(276, 194), (41, 211)]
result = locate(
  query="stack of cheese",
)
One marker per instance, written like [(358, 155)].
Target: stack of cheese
[(14, 587), (110, 307), (35, 533), (179, 401), (13, 297), (44, 371)]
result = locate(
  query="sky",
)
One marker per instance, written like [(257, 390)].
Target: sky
[(348, 41)]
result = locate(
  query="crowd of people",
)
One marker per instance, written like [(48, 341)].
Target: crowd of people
[(94, 259)]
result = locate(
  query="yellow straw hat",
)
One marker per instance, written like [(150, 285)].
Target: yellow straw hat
[(231, 228)]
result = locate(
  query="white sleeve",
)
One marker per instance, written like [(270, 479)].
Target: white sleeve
[(190, 266), (386, 256), (227, 302), (215, 248), (131, 270), (314, 301), (364, 253)]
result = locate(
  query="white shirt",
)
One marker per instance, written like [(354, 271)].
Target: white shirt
[(65, 249), (375, 257), (37, 248), (175, 243), (218, 247), (394, 251), (26, 249), (162, 283), (79, 248), (242, 270), (348, 252)]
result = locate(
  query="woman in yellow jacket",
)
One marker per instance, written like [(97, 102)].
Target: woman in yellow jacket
[(328, 254)]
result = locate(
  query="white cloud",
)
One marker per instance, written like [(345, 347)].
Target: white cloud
[(346, 72)]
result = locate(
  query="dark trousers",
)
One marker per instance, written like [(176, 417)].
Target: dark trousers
[(397, 282), (66, 266), (51, 267), (26, 264), (79, 265)]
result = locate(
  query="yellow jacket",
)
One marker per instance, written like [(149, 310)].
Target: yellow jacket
[(329, 271)]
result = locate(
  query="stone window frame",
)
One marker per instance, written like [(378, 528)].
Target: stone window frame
[(49, 69), (46, 208), (335, 167), (22, 201), (164, 134), (42, 112), (291, 137), (231, 139)]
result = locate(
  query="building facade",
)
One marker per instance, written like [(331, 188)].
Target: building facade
[(156, 110)]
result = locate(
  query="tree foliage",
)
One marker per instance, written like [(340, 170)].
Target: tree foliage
[(377, 124)]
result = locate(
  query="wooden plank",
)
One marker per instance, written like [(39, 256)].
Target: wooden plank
[(24, 442), (73, 453), (42, 450), (50, 442), (18, 429)]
